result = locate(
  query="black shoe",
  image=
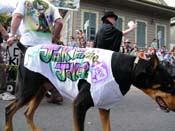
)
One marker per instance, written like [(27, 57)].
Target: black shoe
[(57, 100)]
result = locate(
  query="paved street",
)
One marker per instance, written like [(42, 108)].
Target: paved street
[(135, 112)]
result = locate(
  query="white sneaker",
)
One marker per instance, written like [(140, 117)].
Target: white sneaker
[(7, 96)]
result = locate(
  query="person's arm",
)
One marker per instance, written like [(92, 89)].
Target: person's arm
[(57, 30), (3, 32), (16, 20), (133, 27)]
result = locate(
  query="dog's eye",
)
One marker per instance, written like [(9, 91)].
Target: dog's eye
[(169, 85)]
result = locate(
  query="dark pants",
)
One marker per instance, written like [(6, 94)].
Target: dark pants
[(2, 72)]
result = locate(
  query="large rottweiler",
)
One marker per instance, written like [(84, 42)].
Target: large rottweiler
[(88, 76)]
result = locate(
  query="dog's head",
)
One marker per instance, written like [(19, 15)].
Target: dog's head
[(154, 80)]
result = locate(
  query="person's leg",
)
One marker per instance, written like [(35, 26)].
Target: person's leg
[(2, 78), (2, 73)]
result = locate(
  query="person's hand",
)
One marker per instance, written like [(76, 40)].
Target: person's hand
[(10, 41), (133, 26), (54, 39), (6, 36)]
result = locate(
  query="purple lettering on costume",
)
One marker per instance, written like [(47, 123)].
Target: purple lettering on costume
[(99, 72), (61, 70)]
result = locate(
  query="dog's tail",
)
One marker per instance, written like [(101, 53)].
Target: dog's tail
[(22, 47)]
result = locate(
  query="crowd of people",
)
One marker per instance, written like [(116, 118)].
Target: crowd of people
[(79, 40), (165, 56)]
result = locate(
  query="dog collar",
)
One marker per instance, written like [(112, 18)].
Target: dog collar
[(135, 62), (133, 68)]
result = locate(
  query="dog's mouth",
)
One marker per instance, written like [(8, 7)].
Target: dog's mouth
[(162, 104)]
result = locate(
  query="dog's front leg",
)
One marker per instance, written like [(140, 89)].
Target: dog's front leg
[(79, 113), (81, 104), (105, 119)]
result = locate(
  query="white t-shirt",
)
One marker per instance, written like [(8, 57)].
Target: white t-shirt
[(6, 7), (38, 21), (64, 66)]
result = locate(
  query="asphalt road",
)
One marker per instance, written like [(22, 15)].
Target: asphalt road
[(135, 112)]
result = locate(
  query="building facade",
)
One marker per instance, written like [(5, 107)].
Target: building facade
[(152, 17)]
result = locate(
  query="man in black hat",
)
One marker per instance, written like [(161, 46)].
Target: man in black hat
[(108, 37)]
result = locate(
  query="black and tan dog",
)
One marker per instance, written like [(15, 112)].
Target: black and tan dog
[(147, 75)]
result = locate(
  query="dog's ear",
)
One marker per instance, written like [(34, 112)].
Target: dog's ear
[(154, 62), (144, 71)]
